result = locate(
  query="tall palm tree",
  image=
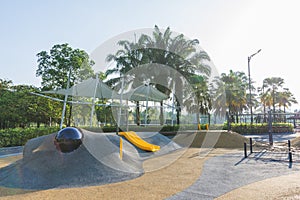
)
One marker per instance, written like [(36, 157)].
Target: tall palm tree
[(199, 100), (273, 84), (176, 52), (233, 87), (127, 58), (217, 90), (263, 96), (286, 99)]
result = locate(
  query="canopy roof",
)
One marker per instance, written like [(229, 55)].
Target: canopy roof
[(89, 88), (145, 93), (96, 88)]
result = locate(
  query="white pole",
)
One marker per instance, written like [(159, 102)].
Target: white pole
[(173, 106), (148, 88), (127, 115), (93, 101), (120, 107), (65, 101)]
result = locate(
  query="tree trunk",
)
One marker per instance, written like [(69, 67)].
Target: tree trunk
[(70, 115), (178, 111), (138, 118), (284, 114), (265, 118), (161, 114)]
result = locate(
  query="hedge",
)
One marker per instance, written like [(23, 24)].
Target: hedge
[(19, 136), (260, 128), (165, 128)]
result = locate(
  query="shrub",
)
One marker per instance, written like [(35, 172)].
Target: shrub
[(260, 128), (19, 136)]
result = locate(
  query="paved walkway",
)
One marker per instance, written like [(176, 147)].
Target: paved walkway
[(10, 151), (277, 137), (224, 173)]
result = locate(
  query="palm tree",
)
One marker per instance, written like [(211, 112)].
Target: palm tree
[(126, 59), (180, 54), (176, 52), (263, 99), (285, 99), (217, 89), (199, 100), (233, 87), (273, 84)]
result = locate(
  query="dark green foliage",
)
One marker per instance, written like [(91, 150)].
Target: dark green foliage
[(19, 136), (261, 128), (166, 128), (20, 108), (54, 67), (60, 63)]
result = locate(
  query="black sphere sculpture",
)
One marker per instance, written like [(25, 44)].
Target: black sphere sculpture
[(68, 139)]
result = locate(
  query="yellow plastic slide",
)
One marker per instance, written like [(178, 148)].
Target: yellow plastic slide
[(139, 142)]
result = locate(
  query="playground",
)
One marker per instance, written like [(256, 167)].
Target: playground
[(191, 163), (164, 169)]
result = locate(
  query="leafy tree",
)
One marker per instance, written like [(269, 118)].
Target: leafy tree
[(62, 61), (20, 108), (5, 84), (54, 67)]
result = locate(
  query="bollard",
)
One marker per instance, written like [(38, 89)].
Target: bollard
[(290, 153), (251, 151), (245, 150), (290, 157)]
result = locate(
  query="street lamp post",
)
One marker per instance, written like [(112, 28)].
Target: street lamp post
[(250, 95)]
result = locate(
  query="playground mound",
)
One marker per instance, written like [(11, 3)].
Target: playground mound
[(295, 142), (211, 139), (97, 161)]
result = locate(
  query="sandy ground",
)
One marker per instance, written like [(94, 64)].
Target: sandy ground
[(158, 184)]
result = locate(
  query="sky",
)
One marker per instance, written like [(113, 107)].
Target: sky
[(228, 30)]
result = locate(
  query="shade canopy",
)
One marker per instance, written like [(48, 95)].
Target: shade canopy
[(145, 93), (92, 87)]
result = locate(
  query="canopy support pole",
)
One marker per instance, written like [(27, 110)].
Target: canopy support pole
[(120, 107), (65, 101), (93, 101), (146, 117), (173, 106)]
